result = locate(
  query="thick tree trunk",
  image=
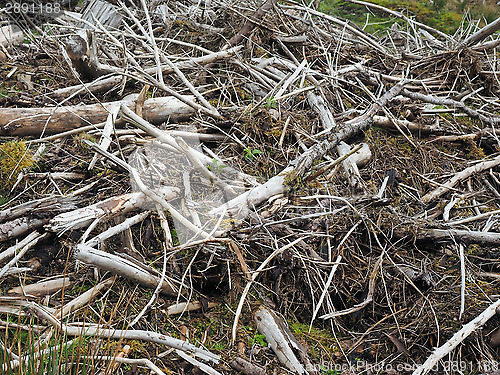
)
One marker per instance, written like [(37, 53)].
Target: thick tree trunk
[(53, 120)]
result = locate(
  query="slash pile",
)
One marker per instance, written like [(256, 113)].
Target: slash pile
[(226, 186)]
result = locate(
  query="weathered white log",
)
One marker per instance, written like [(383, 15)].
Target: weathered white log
[(363, 155), (18, 227), (123, 267), (386, 122), (317, 103), (182, 307), (53, 120), (55, 204), (11, 35), (42, 288), (239, 207), (103, 210), (460, 176), (282, 341)]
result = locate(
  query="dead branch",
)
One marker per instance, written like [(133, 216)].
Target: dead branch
[(460, 176), (466, 236), (104, 210), (457, 338), (149, 336)]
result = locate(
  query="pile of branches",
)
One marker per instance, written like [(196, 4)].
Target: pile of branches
[(264, 157)]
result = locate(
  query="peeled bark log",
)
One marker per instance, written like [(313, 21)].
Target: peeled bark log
[(42, 288), (20, 226), (53, 120), (124, 267)]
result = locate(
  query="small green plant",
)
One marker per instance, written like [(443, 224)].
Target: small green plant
[(216, 167), (271, 102), (175, 237), (328, 371), (8, 91), (219, 347), (259, 339), (251, 154)]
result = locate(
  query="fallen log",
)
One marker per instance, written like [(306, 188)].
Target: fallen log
[(53, 120), (118, 265), (54, 204), (21, 225), (122, 204), (42, 288)]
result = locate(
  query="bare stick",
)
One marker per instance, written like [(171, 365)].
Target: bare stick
[(121, 334), (460, 176), (481, 34), (123, 267), (457, 338), (492, 120)]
